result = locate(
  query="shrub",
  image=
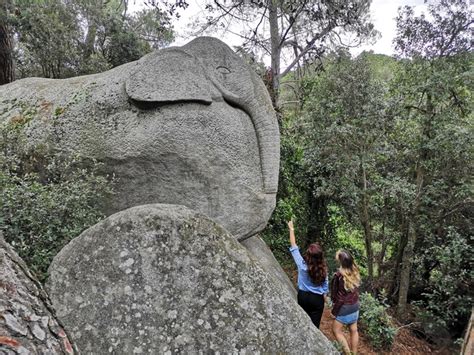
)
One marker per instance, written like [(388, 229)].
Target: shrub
[(375, 322), (446, 305), (46, 199), (295, 200), (291, 204), (347, 237)]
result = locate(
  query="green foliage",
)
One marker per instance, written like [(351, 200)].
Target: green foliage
[(386, 145), (60, 39), (377, 158), (449, 301), (375, 322), (46, 199), (447, 30), (124, 46), (434, 120), (95, 63), (345, 114), (295, 199), (348, 117), (47, 31), (346, 237), (291, 204), (300, 31)]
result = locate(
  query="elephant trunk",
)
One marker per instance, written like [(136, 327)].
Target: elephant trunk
[(266, 127), (268, 137)]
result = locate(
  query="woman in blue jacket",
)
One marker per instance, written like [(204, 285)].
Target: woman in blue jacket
[(312, 277)]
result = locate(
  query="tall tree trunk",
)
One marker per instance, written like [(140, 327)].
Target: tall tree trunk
[(412, 223), (7, 64), (24, 303), (383, 239), (275, 50), (410, 247), (405, 271), (365, 221), (468, 343), (90, 40), (402, 243)]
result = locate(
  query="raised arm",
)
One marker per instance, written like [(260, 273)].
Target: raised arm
[(295, 252), (292, 234)]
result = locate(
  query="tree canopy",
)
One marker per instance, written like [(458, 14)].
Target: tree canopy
[(378, 160), (302, 31), (63, 38)]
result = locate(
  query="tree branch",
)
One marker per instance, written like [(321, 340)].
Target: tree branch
[(308, 47), (292, 21), (453, 37), (416, 108), (260, 22), (229, 11)]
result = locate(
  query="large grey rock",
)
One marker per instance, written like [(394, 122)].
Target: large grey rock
[(27, 322), (191, 125), (164, 279), (262, 253)]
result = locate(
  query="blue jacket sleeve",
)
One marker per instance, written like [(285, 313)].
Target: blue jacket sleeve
[(295, 252)]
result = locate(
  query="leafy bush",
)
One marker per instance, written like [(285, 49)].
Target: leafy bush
[(291, 202), (347, 237), (46, 199), (447, 303), (295, 200), (375, 322)]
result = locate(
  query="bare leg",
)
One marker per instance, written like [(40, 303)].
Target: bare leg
[(337, 330), (354, 337)]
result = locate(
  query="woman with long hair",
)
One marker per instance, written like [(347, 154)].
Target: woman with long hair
[(345, 297), (312, 277)]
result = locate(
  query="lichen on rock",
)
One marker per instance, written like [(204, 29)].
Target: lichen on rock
[(27, 321)]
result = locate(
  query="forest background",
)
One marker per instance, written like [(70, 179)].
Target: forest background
[(376, 150)]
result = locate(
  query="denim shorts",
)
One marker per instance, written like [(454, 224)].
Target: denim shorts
[(349, 318)]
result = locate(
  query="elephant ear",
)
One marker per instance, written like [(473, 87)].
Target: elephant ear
[(168, 75)]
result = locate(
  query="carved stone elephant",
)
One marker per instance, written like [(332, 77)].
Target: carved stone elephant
[(190, 125)]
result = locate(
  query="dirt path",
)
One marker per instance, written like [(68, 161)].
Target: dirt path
[(405, 342), (326, 328)]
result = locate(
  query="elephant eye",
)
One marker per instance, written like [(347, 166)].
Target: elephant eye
[(223, 70)]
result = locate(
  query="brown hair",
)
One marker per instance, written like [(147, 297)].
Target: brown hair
[(317, 268), (348, 269)]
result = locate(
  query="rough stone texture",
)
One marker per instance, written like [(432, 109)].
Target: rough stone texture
[(27, 325), (190, 125), (164, 279), (262, 253)]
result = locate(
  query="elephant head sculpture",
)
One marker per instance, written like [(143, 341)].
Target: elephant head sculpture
[(190, 125), (208, 71)]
